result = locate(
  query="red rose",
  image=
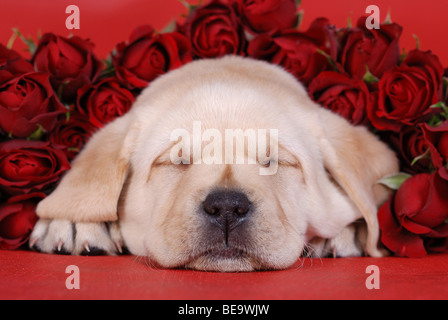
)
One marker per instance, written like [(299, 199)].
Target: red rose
[(406, 93), (27, 100), (268, 15), (410, 144), (346, 96), (30, 166), (214, 30), (297, 51), (430, 63), (70, 62), (378, 49), (104, 101), (17, 66), (17, 220), (415, 215), (147, 55), (7, 54), (437, 140), (72, 134)]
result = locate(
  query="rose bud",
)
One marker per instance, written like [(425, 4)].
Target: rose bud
[(214, 30), (72, 134), (147, 55), (437, 140), (267, 16), (30, 166), (104, 101), (412, 149), (376, 48), (405, 93), (297, 51), (6, 55), (70, 62), (343, 95), (17, 220), (415, 214), (27, 100)]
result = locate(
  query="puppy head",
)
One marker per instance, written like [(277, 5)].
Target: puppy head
[(189, 202), (204, 209)]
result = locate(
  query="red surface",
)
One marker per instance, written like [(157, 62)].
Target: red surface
[(29, 275), (107, 22)]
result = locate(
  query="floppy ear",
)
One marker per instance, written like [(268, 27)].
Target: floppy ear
[(357, 159), (90, 190)]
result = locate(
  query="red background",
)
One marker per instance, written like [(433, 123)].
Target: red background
[(107, 22)]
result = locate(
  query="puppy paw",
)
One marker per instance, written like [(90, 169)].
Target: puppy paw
[(345, 244), (66, 237)]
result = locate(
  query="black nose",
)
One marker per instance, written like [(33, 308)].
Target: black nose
[(227, 209)]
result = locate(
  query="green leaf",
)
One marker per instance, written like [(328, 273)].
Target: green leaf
[(440, 104), (443, 106), (190, 7), (185, 3), (369, 77), (402, 57), (108, 63), (422, 156), (349, 22), (61, 88), (73, 149), (299, 19), (417, 41), (388, 18), (36, 135), (329, 59), (435, 121), (395, 181), (29, 42), (11, 40), (109, 68), (298, 2), (170, 27)]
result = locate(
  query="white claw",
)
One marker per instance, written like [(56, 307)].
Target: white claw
[(60, 244), (119, 247), (33, 241)]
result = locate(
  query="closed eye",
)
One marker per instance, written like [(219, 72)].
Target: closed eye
[(292, 164), (163, 162), (282, 163)]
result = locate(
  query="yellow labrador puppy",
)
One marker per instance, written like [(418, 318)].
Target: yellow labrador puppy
[(223, 165)]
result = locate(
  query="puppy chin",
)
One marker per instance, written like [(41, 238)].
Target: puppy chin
[(221, 264), (231, 261)]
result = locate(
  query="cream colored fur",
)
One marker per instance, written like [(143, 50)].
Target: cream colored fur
[(325, 183)]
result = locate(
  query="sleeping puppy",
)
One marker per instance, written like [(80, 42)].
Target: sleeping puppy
[(222, 165)]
